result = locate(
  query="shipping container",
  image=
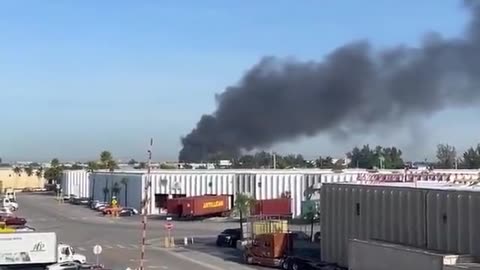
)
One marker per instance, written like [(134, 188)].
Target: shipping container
[(433, 216), (269, 226), (273, 207), (76, 182), (200, 206), (174, 207)]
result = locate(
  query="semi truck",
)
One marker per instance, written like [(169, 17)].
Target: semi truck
[(35, 248)]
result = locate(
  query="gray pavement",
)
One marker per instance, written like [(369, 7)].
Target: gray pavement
[(121, 237)]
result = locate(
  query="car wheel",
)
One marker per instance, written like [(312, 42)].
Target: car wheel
[(295, 266), (248, 259), (285, 265)]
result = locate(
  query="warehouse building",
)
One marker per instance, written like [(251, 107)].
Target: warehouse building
[(128, 186), (432, 218)]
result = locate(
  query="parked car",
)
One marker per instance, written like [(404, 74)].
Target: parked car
[(12, 220), (91, 203), (128, 211), (229, 237), (69, 197), (23, 228), (99, 206), (5, 210), (79, 201), (9, 202), (74, 266)]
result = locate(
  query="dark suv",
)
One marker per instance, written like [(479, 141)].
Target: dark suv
[(229, 237)]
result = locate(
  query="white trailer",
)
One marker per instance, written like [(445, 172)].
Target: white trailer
[(28, 248), (35, 248)]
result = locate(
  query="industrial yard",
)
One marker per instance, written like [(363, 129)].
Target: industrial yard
[(416, 211)]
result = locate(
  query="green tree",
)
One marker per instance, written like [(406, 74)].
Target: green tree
[(54, 173), (124, 182), (92, 167), (17, 170), (55, 162), (243, 204), (164, 166), (39, 172), (132, 162), (105, 158), (29, 171), (446, 156), (471, 158)]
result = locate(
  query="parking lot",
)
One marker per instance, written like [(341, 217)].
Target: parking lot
[(120, 237)]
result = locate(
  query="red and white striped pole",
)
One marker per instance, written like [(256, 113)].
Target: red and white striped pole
[(145, 205)]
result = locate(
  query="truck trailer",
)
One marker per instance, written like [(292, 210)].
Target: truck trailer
[(35, 248), (199, 206)]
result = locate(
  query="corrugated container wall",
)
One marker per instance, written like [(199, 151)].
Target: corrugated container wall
[(76, 182), (443, 220)]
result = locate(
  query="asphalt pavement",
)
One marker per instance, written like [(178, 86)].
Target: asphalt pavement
[(120, 237)]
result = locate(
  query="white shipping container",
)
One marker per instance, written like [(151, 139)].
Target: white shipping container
[(28, 248), (76, 182)]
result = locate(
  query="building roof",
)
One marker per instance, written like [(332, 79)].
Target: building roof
[(419, 184)]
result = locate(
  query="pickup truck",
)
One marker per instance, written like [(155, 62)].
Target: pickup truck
[(8, 203)]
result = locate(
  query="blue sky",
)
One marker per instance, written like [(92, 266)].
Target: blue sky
[(77, 77)]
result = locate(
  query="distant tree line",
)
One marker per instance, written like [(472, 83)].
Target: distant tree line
[(365, 157)]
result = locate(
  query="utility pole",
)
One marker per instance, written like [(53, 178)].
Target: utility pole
[(146, 203), (274, 157)]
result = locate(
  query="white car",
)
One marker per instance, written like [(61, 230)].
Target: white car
[(5, 210), (9, 203), (64, 266)]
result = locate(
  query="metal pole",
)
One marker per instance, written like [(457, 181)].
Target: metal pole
[(145, 205)]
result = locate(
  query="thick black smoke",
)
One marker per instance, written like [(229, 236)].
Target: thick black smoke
[(353, 88)]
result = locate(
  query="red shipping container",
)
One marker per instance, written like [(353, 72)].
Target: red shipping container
[(204, 205), (174, 206), (273, 207)]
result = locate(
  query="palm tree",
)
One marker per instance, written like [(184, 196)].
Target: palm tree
[(92, 167), (105, 158), (243, 204), (39, 172), (29, 171), (17, 170), (111, 166), (55, 162), (105, 193), (116, 189), (124, 182)]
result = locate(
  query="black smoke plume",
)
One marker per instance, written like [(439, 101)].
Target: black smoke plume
[(352, 89)]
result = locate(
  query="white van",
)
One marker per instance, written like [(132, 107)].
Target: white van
[(10, 194), (7, 203)]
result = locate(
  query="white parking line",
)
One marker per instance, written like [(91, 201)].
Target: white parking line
[(120, 246), (84, 218), (134, 246), (81, 248), (108, 246), (74, 218)]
